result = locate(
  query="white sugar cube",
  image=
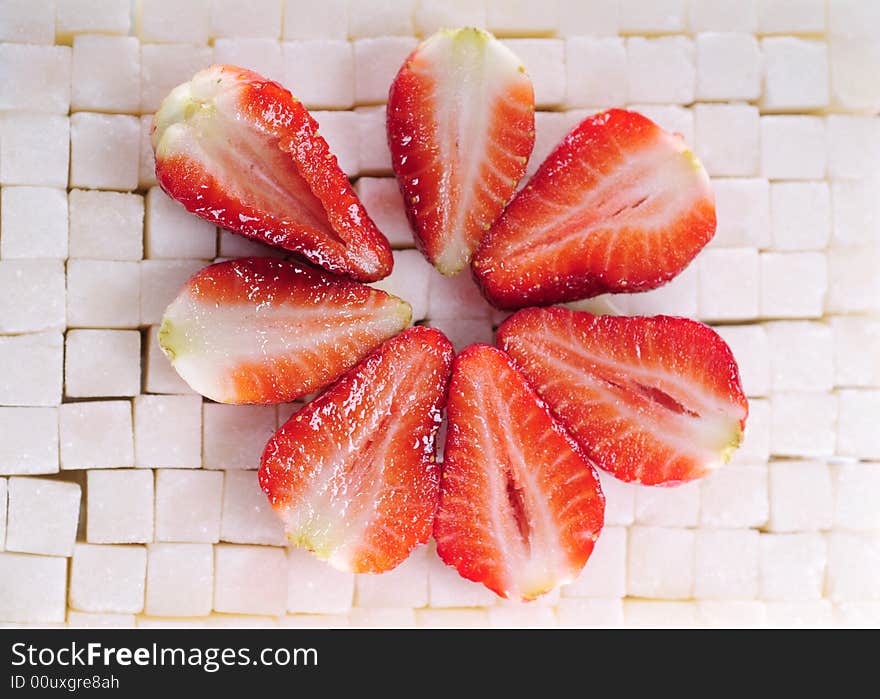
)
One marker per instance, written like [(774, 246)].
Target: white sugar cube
[(791, 16), (409, 281), (319, 621), (793, 147), (857, 615), (595, 72), (523, 617), (752, 353), (669, 507), (433, 15), (108, 578), (728, 66), (103, 293), (800, 215), (856, 433), (304, 19), (27, 21), (853, 567), (320, 72), (382, 17), (91, 17), (165, 66), (160, 375), (854, 65), (3, 502), (259, 18), (653, 614), (801, 355), (238, 621), (800, 496), (102, 363), (383, 201), (550, 129), (250, 579), (671, 117), (464, 332), (728, 138), (661, 70), (853, 17), (588, 17), (793, 284), (792, 566), (30, 441), (446, 588), (106, 225), (455, 298), (106, 73), (376, 62), (729, 284), (521, 17), (657, 17), (723, 15), (803, 424), (544, 61), (314, 587), (88, 620), (452, 618), (853, 145), (167, 21), (248, 518), (262, 56), (374, 156), (589, 613), (42, 516), (856, 351), (795, 74), (161, 281), (31, 368), (146, 157), (735, 497), (340, 130), (168, 431), (742, 206), (726, 564), (32, 295), (755, 447), (171, 232), (383, 618), (235, 435), (34, 223), (793, 615), (677, 297), (180, 579), (33, 589), (35, 78), (188, 505), (855, 212), (853, 282), (119, 507), (605, 572), (96, 435), (732, 614), (660, 563), (34, 149), (104, 151), (620, 499), (404, 586)]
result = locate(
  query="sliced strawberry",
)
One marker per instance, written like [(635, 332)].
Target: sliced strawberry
[(520, 504), (353, 474), (620, 205), (652, 400), (241, 152), (259, 330), (461, 126)]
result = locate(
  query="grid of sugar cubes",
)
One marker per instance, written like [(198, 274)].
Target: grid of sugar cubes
[(126, 499)]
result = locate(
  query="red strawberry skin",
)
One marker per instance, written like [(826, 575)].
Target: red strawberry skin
[(241, 152), (619, 206), (353, 474), (260, 330), (461, 126), (652, 400), (520, 504)]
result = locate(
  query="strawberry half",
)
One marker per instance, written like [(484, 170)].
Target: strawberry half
[(619, 206), (241, 152), (353, 474), (461, 126), (652, 400), (260, 330), (520, 504)]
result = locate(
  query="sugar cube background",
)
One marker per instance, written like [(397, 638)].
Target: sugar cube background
[(32, 295), (41, 516), (31, 369), (104, 151), (168, 431), (28, 21), (247, 515), (108, 579), (74, 17), (165, 66), (35, 78), (180, 579), (106, 225), (34, 149), (105, 73), (119, 506), (32, 588), (96, 434), (188, 505), (102, 363), (249, 579)]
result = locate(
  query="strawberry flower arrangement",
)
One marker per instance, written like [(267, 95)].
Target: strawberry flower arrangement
[(619, 206)]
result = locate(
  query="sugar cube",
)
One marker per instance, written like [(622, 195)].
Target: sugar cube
[(620, 499), (171, 232), (42, 516), (654, 614), (800, 215), (588, 17), (446, 588), (735, 497), (374, 156), (857, 615), (795, 74), (723, 15), (452, 618), (34, 223), (180, 579), (108, 579), (728, 138), (853, 282), (102, 363), (248, 518), (106, 225), (660, 563), (235, 435), (160, 375), (382, 17), (520, 17), (383, 618), (188, 505), (856, 351), (595, 72), (89, 620), (853, 567), (589, 613), (119, 507), (260, 18), (801, 355), (262, 56), (405, 586), (35, 78), (750, 347), (433, 15), (376, 62), (409, 281), (792, 615), (250, 579), (856, 435), (657, 17), (103, 293), (31, 368), (31, 295), (455, 298), (793, 147), (167, 21), (803, 424), (27, 21), (523, 617), (164, 67), (168, 431), (855, 213), (793, 284), (544, 61), (550, 129), (104, 151), (732, 614), (146, 158), (729, 284), (728, 66), (91, 17), (742, 206), (320, 621), (726, 564), (105, 73), (672, 117), (669, 507), (305, 20), (792, 566), (96, 435), (382, 198), (32, 588), (161, 281), (853, 145), (800, 496), (854, 65), (3, 501), (791, 16), (320, 72), (340, 130), (854, 18), (605, 572), (315, 587), (30, 441), (755, 447), (677, 297), (661, 70), (34, 149)]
